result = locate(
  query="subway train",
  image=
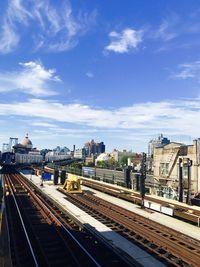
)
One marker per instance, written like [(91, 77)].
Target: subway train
[(28, 158), (7, 158), (50, 158), (10, 158)]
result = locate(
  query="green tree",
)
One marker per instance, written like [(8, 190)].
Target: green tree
[(76, 165), (90, 164), (112, 163), (102, 164), (124, 160), (99, 164)]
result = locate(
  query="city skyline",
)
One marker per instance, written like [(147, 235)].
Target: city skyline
[(121, 74)]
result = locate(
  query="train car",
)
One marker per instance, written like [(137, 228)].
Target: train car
[(50, 158), (8, 158), (28, 158)]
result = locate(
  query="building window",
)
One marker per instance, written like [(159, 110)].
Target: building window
[(164, 169)]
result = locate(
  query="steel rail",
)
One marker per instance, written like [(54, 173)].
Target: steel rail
[(109, 251), (134, 196), (129, 214), (183, 250), (180, 211), (21, 219), (175, 247), (45, 215), (48, 211)]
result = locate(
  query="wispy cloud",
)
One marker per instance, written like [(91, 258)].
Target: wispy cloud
[(167, 30), (57, 128), (9, 39), (89, 74), (174, 117), (43, 124), (164, 32), (168, 34), (173, 28), (58, 131), (56, 28), (188, 71), (32, 78), (124, 41)]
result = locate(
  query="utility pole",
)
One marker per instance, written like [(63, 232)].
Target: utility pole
[(189, 164), (142, 178), (180, 189)]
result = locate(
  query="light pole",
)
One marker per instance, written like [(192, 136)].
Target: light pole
[(189, 164), (142, 178), (180, 180)]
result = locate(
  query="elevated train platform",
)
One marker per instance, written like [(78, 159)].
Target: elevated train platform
[(183, 211), (117, 241), (105, 232)]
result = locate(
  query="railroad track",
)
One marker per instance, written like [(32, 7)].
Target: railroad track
[(174, 248), (181, 212), (42, 235), (188, 214)]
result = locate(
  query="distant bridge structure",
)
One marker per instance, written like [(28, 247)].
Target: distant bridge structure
[(8, 147)]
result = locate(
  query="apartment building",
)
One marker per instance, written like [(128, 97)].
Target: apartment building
[(170, 162)]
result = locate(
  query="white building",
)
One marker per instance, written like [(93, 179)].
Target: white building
[(79, 153), (102, 157)]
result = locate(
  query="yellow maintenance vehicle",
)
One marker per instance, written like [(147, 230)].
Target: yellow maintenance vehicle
[(72, 184)]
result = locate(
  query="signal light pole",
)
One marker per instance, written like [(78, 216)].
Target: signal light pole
[(142, 178), (189, 164), (180, 188)]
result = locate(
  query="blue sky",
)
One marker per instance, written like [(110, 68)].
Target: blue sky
[(114, 71)]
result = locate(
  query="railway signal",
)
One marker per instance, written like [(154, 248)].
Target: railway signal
[(127, 176), (186, 163)]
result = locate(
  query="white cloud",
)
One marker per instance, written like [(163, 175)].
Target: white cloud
[(56, 28), (125, 41), (188, 70), (31, 79), (151, 117)]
